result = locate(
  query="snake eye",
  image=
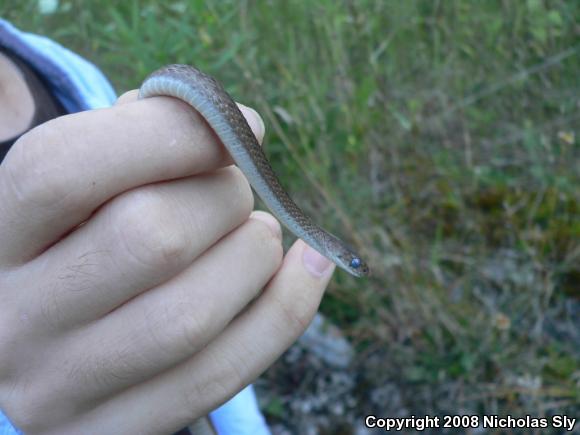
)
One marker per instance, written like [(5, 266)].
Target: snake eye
[(355, 263)]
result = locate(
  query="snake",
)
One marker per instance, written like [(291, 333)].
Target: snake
[(208, 97)]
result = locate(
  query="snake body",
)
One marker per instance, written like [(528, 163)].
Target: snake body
[(206, 95)]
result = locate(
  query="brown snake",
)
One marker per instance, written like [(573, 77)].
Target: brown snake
[(208, 97)]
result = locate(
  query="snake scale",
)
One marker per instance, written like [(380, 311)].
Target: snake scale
[(206, 95)]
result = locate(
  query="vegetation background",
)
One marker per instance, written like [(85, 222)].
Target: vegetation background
[(441, 137)]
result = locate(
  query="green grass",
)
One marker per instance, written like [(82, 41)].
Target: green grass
[(440, 137)]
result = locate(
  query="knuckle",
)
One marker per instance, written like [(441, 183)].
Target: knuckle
[(188, 327), (192, 401), (214, 387), (296, 314), (52, 307), (268, 244), (151, 231), (34, 167), (241, 197)]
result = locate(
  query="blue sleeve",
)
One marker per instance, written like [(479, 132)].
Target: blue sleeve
[(79, 85), (240, 415), (6, 427), (74, 81)]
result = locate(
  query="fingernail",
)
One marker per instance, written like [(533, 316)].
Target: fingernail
[(255, 121), (269, 220), (314, 262)]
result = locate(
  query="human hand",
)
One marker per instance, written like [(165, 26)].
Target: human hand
[(131, 273)]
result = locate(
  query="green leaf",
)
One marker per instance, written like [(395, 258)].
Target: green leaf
[(555, 19)]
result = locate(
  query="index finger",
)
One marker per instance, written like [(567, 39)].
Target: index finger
[(59, 173)]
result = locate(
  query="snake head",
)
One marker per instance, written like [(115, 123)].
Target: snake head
[(353, 264), (345, 257)]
